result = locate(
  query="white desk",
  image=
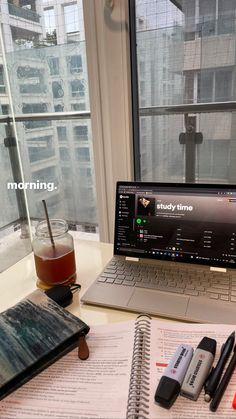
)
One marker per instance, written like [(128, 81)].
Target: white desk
[(20, 279)]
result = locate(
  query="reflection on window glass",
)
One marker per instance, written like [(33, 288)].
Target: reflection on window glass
[(71, 18)]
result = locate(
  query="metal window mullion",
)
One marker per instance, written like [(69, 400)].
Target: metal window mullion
[(15, 155)]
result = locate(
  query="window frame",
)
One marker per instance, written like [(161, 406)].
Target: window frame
[(109, 72)]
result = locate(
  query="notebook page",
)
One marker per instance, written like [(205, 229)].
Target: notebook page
[(166, 337), (71, 388)]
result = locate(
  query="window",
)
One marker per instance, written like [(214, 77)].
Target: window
[(78, 106), (215, 85), (214, 159), (224, 87), (40, 149), (57, 90), (27, 72), (35, 108), (5, 109), (75, 64), (205, 86), (189, 87), (2, 83), (49, 21), (44, 175), (77, 88), (59, 108), (71, 18), (82, 154), (197, 70), (226, 19), (61, 133), (53, 63), (81, 133), (34, 88), (31, 47), (190, 8), (64, 154), (207, 17)]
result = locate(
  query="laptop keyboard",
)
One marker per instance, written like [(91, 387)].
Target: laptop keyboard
[(214, 285)]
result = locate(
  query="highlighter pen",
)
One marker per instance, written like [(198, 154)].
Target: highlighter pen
[(215, 375), (170, 383), (199, 368)]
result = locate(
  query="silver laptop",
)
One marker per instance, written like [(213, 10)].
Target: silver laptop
[(174, 252)]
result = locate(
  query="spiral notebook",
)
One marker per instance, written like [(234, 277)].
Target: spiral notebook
[(119, 378)]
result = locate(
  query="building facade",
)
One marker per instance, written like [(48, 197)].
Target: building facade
[(46, 61), (197, 65)]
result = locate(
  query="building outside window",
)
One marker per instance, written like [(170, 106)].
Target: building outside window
[(43, 61), (189, 55)]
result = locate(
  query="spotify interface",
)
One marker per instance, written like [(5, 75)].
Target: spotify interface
[(193, 223)]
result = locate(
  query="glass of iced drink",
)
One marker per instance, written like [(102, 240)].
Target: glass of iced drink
[(55, 264)]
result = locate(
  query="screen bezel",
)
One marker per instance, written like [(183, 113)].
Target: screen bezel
[(220, 264)]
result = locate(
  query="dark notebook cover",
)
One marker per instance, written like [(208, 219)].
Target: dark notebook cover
[(33, 334)]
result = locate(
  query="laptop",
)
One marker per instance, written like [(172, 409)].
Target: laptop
[(174, 252)]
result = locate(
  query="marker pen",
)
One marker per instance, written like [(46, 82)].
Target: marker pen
[(170, 383), (199, 368)]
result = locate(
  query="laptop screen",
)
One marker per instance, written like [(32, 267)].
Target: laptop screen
[(180, 222)]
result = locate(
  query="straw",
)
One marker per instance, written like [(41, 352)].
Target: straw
[(48, 223)]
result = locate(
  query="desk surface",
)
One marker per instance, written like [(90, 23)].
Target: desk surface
[(20, 279)]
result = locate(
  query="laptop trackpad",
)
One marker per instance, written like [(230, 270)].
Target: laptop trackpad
[(158, 302)]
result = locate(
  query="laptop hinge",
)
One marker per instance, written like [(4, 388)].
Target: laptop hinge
[(215, 269), (129, 258)]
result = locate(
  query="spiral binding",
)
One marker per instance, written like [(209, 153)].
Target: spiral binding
[(139, 387)]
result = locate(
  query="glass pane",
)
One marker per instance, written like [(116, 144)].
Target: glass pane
[(186, 55), (161, 54), (14, 237), (55, 151), (46, 64)]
